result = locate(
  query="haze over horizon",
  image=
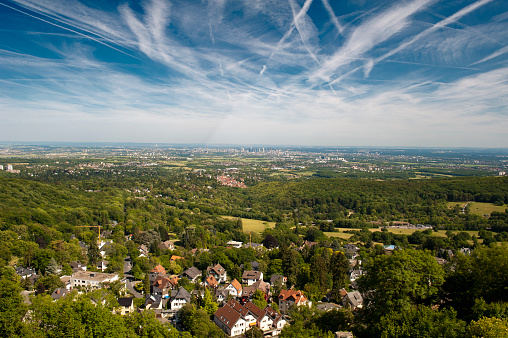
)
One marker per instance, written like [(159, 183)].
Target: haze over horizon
[(418, 73)]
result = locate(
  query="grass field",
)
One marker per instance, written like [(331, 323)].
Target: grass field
[(253, 225), (440, 233), (485, 208)]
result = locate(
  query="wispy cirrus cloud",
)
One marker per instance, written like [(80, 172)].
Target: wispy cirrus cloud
[(240, 72)]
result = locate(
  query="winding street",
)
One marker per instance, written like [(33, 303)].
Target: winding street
[(129, 278)]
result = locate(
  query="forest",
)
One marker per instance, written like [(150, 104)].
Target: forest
[(407, 293)]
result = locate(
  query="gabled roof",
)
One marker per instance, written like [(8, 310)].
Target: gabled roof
[(236, 285), (354, 298), (254, 310), (181, 293), (275, 278), (227, 315), (261, 285), (166, 245), (296, 296), (251, 275), (59, 293), (192, 272), (175, 257), (273, 314), (161, 282), (159, 269), (218, 269), (238, 307), (212, 281), (21, 271), (125, 301)]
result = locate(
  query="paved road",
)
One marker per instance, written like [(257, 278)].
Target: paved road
[(129, 279)]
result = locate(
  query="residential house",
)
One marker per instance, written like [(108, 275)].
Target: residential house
[(235, 244), (354, 274), (102, 265), (327, 306), (126, 305), (251, 277), (211, 282), (163, 285), (263, 320), (77, 266), (234, 319), (278, 279), (192, 274), (218, 272), (222, 294), (248, 291), (278, 321), (167, 245), (287, 298), (89, 279), (143, 251), (153, 302), (234, 288), (179, 298), (344, 334), (353, 300), (175, 258), (25, 272), (59, 293), (230, 321)]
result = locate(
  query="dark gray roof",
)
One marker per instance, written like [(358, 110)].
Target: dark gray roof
[(275, 278), (192, 272), (181, 293), (125, 301), (59, 293), (21, 271)]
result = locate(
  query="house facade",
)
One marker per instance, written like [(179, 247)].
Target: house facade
[(93, 280), (251, 277)]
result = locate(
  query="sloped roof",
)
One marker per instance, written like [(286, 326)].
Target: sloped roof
[(218, 269), (192, 272), (181, 293), (238, 307), (254, 310), (212, 281), (159, 269), (227, 315), (296, 296), (125, 301), (249, 274), (261, 285), (236, 285)]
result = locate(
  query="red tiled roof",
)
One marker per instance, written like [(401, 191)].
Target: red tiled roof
[(296, 296)]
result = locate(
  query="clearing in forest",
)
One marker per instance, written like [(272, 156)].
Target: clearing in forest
[(253, 225)]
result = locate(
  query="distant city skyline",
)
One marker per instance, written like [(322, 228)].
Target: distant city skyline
[(418, 73)]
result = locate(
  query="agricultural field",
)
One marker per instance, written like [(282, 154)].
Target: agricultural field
[(253, 225), (485, 208), (441, 233)]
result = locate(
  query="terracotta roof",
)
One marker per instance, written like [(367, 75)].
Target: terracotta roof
[(296, 296), (159, 269), (175, 257), (212, 281), (218, 269), (236, 285)]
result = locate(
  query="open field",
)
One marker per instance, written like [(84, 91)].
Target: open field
[(440, 233), (253, 225), (486, 208)]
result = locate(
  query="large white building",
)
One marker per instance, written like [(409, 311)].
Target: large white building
[(88, 279)]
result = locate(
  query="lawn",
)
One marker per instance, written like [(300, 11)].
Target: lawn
[(440, 233), (253, 225), (481, 209)]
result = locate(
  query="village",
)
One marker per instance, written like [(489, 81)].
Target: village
[(234, 299)]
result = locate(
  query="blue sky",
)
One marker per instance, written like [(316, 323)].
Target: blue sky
[(288, 72)]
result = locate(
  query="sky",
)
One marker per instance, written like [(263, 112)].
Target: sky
[(418, 73)]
